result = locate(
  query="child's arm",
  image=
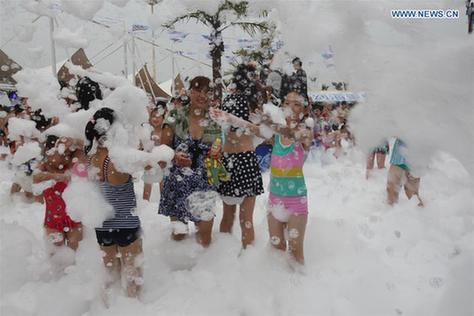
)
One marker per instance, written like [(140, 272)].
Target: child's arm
[(303, 135), (44, 175), (223, 118)]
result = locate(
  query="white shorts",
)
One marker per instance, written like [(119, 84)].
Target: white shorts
[(232, 200)]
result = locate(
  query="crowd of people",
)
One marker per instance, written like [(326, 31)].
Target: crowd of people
[(214, 147)]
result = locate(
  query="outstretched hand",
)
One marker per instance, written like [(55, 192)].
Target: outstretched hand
[(182, 159), (222, 117)]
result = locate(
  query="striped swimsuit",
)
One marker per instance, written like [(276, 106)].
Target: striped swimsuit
[(287, 185), (122, 198)]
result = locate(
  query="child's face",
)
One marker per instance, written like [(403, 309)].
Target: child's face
[(295, 103), (57, 160), (156, 118)]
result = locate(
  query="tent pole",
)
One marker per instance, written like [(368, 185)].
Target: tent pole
[(53, 49), (134, 66), (125, 61), (153, 58), (172, 70)]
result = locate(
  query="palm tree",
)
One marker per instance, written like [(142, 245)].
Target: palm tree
[(217, 24)]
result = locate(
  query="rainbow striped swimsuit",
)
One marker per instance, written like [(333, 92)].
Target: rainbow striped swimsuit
[(287, 185)]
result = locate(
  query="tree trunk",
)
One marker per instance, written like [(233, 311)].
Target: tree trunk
[(216, 54)]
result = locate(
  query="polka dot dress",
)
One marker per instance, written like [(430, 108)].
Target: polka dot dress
[(236, 104), (245, 176)]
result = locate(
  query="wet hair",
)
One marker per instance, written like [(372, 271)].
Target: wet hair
[(50, 142), (92, 132), (87, 90), (245, 82), (17, 109), (244, 78), (200, 83), (40, 120), (161, 102)]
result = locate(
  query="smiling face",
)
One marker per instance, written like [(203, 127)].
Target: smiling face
[(199, 98), (199, 93), (156, 117), (56, 160), (295, 104)]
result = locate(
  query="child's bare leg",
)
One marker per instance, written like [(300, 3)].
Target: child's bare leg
[(204, 232), (246, 221), (394, 181), (276, 231), (15, 188), (412, 187), (111, 262), (39, 198), (296, 231), (227, 218), (29, 196), (74, 236), (370, 164), (54, 238), (130, 269), (381, 160), (147, 191), (174, 235)]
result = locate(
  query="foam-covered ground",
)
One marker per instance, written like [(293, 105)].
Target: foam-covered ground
[(362, 257)]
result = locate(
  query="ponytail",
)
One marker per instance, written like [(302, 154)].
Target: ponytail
[(90, 135), (91, 132)]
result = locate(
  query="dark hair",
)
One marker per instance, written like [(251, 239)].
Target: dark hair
[(297, 60), (87, 90), (17, 109), (161, 103), (40, 120), (50, 142), (244, 78), (91, 131), (200, 83)]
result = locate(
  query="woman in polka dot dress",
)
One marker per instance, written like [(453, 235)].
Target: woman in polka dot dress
[(239, 159)]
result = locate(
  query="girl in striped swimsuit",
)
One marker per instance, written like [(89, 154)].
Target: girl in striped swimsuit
[(119, 237)]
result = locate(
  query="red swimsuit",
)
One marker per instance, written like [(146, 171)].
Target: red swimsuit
[(56, 216)]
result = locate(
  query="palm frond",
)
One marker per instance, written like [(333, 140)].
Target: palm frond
[(199, 16), (251, 28), (240, 8)]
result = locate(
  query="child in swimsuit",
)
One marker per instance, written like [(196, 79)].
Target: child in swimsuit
[(60, 228), (287, 205), (287, 201)]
